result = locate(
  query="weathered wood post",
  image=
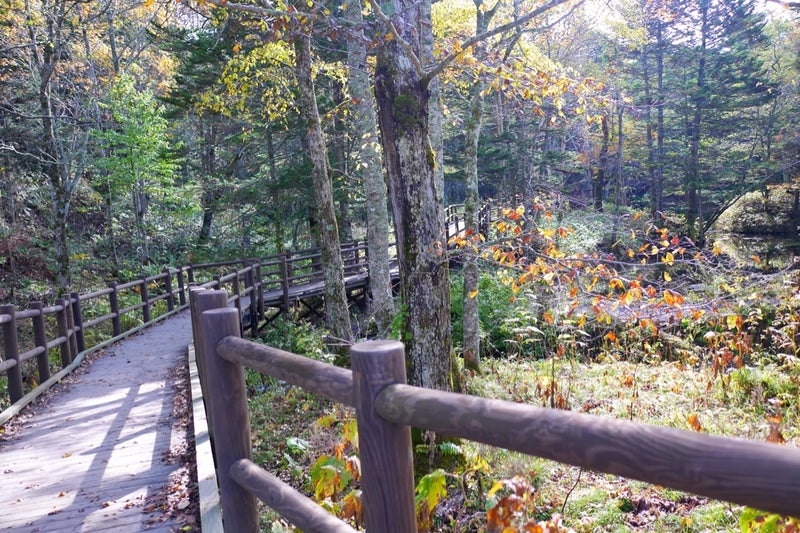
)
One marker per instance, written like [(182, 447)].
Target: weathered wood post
[(63, 331), (40, 340), (387, 463), (260, 292), (168, 289), (285, 281), (77, 317), (237, 303), (181, 287), (212, 300), (113, 299), (250, 289), (145, 301), (71, 338), (11, 351), (190, 273), (226, 398)]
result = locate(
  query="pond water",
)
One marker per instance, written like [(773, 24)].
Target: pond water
[(773, 251)]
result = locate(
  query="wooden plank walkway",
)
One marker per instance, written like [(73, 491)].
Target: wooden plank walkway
[(91, 456)]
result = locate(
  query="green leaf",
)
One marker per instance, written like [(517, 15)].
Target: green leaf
[(431, 489)]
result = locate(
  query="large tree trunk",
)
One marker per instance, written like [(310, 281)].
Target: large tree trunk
[(335, 297), (364, 124), (470, 325), (470, 319), (402, 97)]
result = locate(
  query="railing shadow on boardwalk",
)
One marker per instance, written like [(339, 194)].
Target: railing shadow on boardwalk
[(62, 334), (760, 475)]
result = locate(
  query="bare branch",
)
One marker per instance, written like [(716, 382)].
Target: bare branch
[(396, 35), (441, 65)]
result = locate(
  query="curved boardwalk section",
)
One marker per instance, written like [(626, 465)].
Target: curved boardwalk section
[(93, 457)]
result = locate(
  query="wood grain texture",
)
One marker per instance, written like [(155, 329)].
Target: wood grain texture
[(89, 459), (760, 475), (326, 380), (226, 398), (301, 511), (387, 464)]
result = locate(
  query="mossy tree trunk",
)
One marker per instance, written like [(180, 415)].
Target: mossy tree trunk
[(336, 308), (402, 96), (371, 168)]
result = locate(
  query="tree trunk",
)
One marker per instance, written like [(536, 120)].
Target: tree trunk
[(692, 181), (470, 325), (402, 96), (472, 201), (435, 113), (600, 172), (335, 297), (365, 126)]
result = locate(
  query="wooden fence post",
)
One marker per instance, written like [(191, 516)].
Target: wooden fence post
[(77, 317), (238, 301), (73, 343), (226, 397), (63, 331), (168, 289), (181, 287), (145, 301), (285, 280), (387, 462), (260, 292), (190, 273), (212, 300), (40, 340), (11, 351), (113, 299), (250, 289)]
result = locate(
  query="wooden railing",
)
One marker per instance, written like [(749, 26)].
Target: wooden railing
[(81, 323), (455, 220), (760, 475)]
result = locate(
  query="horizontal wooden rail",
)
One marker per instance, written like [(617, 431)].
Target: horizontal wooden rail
[(287, 502), (127, 306), (756, 474), (759, 475), (331, 382)]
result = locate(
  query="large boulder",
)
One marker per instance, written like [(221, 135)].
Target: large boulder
[(771, 211)]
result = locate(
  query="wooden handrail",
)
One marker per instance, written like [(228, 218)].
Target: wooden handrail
[(80, 313), (755, 474)]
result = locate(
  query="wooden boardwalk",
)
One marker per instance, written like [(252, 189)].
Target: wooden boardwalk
[(90, 457)]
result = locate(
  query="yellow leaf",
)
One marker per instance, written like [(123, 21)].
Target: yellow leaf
[(668, 258), (667, 277), (654, 250), (389, 37), (473, 294), (717, 249)]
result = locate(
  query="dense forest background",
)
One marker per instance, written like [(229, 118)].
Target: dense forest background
[(135, 135)]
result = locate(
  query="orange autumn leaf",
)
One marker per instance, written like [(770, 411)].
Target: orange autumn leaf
[(775, 434), (694, 422), (548, 317), (611, 336)]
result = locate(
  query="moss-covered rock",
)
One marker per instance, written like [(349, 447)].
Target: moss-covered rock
[(772, 211)]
